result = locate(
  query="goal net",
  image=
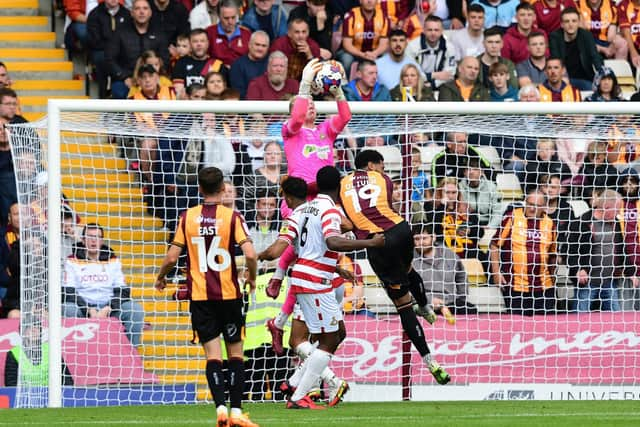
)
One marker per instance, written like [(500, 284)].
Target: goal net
[(526, 231)]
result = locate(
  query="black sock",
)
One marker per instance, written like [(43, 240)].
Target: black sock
[(215, 378), (236, 382), (416, 286), (413, 329)]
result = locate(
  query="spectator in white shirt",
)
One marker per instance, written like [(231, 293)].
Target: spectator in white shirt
[(468, 41), (94, 285)]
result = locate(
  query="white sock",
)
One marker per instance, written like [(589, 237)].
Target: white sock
[(222, 408), (328, 376), (236, 411), (427, 358), (281, 320), (315, 364), (294, 380), (304, 349), (279, 274)]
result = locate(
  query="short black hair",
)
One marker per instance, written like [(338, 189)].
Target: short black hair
[(211, 180), (554, 58), (365, 156), (493, 31), (475, 7), (197, 32), (433, 18), (295, 187), (364, 63), (7, 92), (397, 32), (193, 87), (328, 179), (568, 11), (525, 6), (92, 226), (423, 228)]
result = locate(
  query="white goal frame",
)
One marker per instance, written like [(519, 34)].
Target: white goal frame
[(58, 106)]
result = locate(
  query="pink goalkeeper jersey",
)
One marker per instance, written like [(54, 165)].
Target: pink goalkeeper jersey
[(309, 150)]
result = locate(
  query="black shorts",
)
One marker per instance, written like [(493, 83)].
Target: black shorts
[(209, 319), (391, 263)]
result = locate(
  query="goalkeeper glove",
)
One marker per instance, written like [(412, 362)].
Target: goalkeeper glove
[(308, 74)]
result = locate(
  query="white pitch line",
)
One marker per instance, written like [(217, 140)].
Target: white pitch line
[(336, 419)]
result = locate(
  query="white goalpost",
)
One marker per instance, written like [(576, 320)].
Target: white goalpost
[(91, 157)]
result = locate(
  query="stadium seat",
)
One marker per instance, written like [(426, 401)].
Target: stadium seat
[(623, 72), (377, 301), (492, 156), (427, 153), (392, 157), (509, 186), (579, 207), (368, 275), (485, 240), (474, 270), (487, 299)]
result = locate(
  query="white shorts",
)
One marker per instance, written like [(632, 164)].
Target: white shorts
[(322, 313), (299, 315)]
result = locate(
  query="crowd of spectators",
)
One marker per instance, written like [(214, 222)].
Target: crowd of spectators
[(484, 50)]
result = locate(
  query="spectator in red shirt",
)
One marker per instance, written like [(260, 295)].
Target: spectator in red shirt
[(297, 46), (548, 13), (274, 84), (228, 40), (515, 39)]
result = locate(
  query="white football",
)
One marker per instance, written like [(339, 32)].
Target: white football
[(328, 78)]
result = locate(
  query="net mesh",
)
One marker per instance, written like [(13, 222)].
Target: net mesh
[(133, 173)]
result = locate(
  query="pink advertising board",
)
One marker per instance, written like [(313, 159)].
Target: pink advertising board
[(95, 351), (590, 349)]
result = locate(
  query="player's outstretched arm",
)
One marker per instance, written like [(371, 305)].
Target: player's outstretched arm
[(340, 244), (274, 251), (341, 120), (169, 262)]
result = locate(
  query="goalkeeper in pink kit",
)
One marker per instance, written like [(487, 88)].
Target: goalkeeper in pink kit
[(307, 148)]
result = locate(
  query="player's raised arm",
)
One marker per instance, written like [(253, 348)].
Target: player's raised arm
[(294, 191), (301, 103), (341, 120)]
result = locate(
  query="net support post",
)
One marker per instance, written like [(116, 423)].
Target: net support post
[(54, 230)]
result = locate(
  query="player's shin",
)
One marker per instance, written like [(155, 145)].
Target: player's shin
[(236, 382), (413, 329), (215, 379), (315, 364)]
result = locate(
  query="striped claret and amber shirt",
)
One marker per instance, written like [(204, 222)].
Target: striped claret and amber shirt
[(598, 21), (525, 247), (210, 232), (365, 33), (365, 197)]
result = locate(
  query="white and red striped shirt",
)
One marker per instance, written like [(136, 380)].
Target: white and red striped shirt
[(307, 228)]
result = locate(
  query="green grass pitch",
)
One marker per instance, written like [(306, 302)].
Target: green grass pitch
[(400, 414)]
